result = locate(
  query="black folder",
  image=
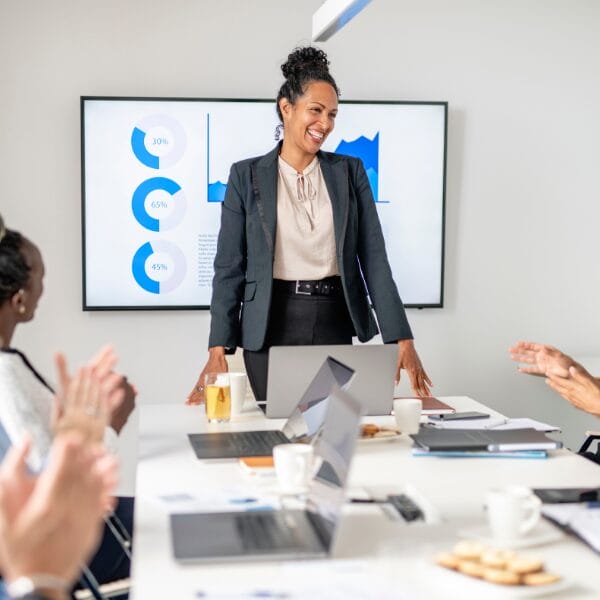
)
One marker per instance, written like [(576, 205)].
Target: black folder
[(506, 440)]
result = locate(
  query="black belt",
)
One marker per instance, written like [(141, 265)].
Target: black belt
[(322, 287)]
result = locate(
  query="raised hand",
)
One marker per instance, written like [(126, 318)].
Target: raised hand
[(541, 359), (579, 388)]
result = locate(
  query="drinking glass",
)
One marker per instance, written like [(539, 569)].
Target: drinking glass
[(217, 397)]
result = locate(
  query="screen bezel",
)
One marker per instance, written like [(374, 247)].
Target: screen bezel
[(83, 99)]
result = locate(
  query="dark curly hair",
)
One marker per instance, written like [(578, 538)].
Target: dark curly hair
[(303, 66), (14, 270)]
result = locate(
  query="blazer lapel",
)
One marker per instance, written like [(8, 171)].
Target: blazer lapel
[(335, 174), (266, 175)]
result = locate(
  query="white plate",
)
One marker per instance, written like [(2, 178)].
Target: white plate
[(383, 438), (542, 533), (472, 587)]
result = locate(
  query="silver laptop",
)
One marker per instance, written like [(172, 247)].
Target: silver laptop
[(291, 368), (284, 533), (305, 421)]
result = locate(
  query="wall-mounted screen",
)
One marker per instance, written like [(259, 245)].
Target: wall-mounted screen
[(154, 174)]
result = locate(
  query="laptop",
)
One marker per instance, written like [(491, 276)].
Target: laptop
[(304, 422), (281, 534), (290, 369)]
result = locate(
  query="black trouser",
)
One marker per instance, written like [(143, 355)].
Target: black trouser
[(299, 320)]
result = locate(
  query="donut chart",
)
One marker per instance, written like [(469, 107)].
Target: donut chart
[(158, 267), (166, 211), (158, 141)]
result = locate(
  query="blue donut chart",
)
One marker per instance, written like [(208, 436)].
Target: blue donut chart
[(138, 146), (140, 271), (176, 143), (138, 203)]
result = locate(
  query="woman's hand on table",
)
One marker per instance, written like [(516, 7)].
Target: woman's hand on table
[(216, 363), (409, 360)]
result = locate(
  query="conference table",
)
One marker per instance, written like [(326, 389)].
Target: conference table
[(376, 554)]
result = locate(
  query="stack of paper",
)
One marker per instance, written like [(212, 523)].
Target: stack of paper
[(581, 518)]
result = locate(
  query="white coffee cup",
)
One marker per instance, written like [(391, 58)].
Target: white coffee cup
[(513, 511), (407, 412), (237, 384), (293, 466)]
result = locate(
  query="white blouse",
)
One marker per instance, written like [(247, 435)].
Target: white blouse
[(26, 407), (304, 239)]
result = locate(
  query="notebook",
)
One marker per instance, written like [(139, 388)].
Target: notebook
[(484, 439), (431, 405)]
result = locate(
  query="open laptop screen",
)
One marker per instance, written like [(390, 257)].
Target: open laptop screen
[(309, 415), (334, 449)]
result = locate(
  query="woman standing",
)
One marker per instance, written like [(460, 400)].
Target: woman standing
[(300, 249)]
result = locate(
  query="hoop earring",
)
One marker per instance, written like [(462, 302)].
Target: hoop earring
[(278, 131)]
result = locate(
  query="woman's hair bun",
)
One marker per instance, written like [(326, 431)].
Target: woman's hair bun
[(305, 60)]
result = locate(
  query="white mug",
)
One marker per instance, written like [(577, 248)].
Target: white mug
[(237, 384), (293, 466), (513, 511), (407, 412)]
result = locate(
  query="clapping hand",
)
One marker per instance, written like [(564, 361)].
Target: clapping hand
[(86, 402), (541, 359)]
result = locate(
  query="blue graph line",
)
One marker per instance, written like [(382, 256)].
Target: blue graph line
[(216, 190)]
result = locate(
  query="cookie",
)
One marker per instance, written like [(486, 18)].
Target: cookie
[(368, 430), (496, 559), (523, 565), (540, 578), (469, 550), (501, 576), (471, 567), (447, 560)]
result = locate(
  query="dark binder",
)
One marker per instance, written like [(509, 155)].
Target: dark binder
[(483, 440)]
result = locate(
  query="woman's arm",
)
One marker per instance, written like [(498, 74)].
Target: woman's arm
[(228, 282), (383, 292)]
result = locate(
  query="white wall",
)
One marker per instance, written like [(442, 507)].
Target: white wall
[(521, 79)]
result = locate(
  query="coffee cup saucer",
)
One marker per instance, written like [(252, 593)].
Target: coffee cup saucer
[(543, 533)]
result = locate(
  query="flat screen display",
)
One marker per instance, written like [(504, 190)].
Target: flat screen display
[(154, 175)]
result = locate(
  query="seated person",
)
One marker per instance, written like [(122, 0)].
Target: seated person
[(28, 403), (564, 375), (51, 523)]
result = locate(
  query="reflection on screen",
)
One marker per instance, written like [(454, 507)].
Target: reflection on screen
[(308, 417), (334, 450)]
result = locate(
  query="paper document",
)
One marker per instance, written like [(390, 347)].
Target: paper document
[(307, 580), (580, 518), (498, 423), (489, 423)]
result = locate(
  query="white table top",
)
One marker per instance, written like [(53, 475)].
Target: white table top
[(385, 550)]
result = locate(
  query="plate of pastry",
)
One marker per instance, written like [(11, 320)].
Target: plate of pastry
[(371, 432), (523, 574)]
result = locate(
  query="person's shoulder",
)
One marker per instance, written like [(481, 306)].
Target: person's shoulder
[(10, 360), (334, 157), (263, 159)]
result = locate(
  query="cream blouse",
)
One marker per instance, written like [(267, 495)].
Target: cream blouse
[(304, 239)]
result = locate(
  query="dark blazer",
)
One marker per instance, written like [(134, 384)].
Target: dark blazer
[(243, 279)]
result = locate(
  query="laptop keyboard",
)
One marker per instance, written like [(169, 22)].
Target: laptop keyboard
[(265, 531), (257, 442)]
